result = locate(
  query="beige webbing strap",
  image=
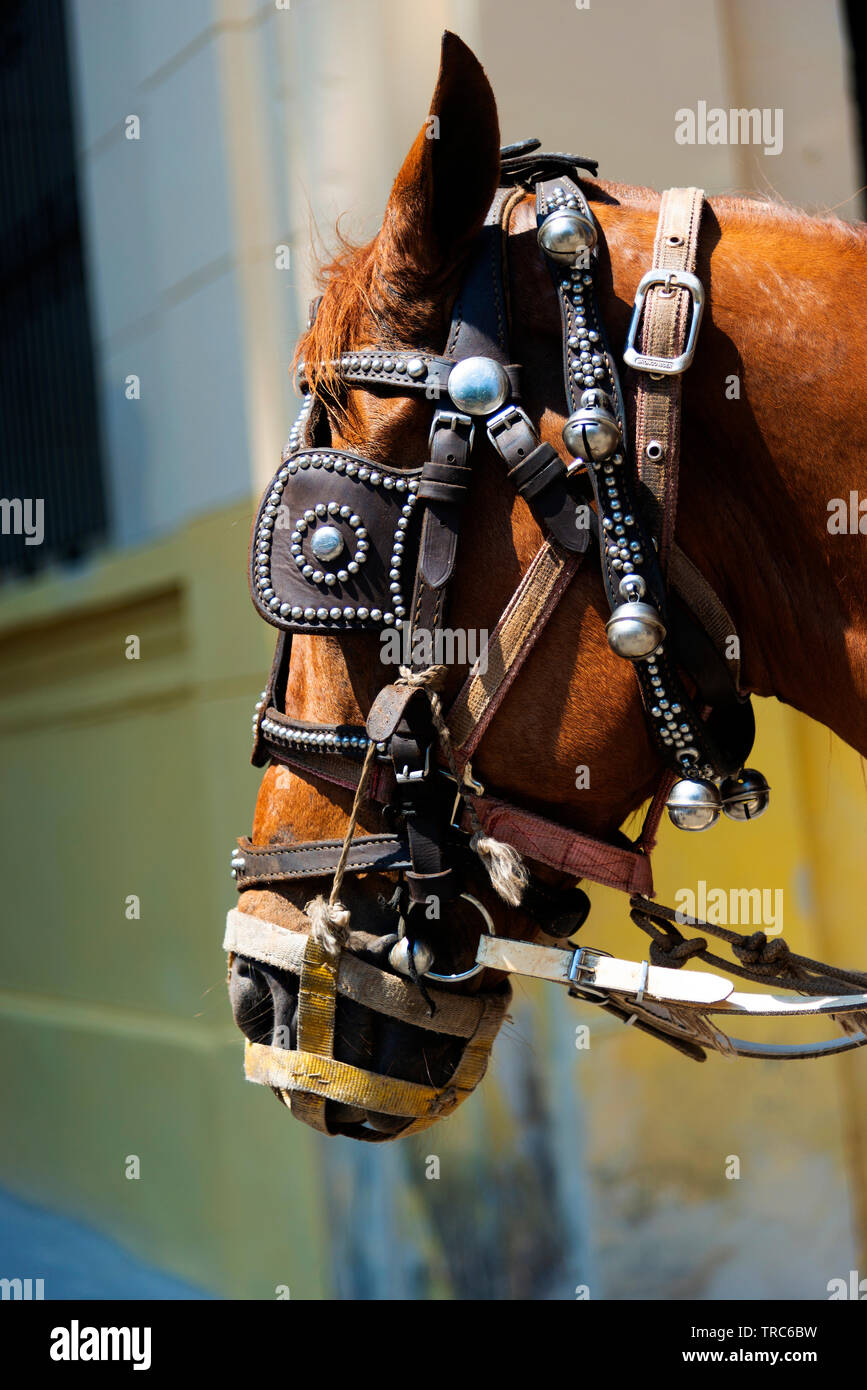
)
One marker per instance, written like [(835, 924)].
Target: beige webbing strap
[(510, 644), (657, 396)]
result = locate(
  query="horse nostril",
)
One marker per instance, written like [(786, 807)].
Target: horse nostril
[(250, 997)]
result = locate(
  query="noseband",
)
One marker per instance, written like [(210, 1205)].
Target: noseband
[(342, 544)]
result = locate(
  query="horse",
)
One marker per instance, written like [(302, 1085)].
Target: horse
[(773, 431)]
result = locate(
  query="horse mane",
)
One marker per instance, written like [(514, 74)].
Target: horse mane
[(360, 301)]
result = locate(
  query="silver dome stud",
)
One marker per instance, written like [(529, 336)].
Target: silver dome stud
[(478, 385), (694, 804), (422, 957), (565, 234), (326, 543), (592, 433), (745, 797), (634, 630)]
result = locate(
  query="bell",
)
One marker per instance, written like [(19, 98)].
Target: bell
[(478, 385), (565, 234), (745, 797), (422, 957), (693, 804), (634, 630), (592, 433)]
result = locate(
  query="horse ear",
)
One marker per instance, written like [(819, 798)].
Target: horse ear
[(449, 178)]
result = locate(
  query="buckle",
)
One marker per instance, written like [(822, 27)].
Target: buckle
[(673, 280), (415, 774), (506, 419), (452, 420), (584, 962)]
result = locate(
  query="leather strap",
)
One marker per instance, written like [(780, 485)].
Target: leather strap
[(256, 865), (408, 372), (656, 398)]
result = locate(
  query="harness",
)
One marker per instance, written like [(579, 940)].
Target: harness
[(342, 544)]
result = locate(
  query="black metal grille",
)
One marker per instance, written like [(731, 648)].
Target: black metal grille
[(49, 429)]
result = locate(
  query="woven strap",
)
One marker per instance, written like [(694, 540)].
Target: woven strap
[(456, 1015), (509, 645), (317, 1006), (657, 397)]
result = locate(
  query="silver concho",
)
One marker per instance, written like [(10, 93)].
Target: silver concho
[(478, 385), (326, 543)]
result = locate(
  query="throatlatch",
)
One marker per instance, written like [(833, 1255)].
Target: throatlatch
[(342, 544)]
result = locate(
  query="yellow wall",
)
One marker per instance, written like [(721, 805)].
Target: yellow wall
[(604, 1166)]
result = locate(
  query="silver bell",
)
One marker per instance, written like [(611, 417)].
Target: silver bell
[(634, 630), (478, 385), (565, 234), (592, 433), (422, 957), (694, 804), (745, 797)]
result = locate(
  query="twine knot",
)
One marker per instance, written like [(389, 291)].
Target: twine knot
[(431, 678), (674, 951), (757, 950), (329, 924)]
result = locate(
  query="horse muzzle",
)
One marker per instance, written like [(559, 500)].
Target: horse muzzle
[(308, 1076)]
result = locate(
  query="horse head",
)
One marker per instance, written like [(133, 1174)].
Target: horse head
[(440, 776)]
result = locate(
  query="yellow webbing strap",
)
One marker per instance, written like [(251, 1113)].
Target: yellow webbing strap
[(324, 1078), (317, 1005), (310, 1076)]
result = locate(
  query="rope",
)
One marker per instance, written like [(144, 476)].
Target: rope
[(506, 869), (329, 921), (761, 959)]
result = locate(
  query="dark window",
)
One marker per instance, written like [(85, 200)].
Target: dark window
[(49, 430)]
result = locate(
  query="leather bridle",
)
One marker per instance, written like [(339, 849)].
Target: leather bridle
[(342, 544)]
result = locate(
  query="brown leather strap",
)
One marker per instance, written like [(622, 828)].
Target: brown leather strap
[(255, 865), (407, 371), (657, 397)]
